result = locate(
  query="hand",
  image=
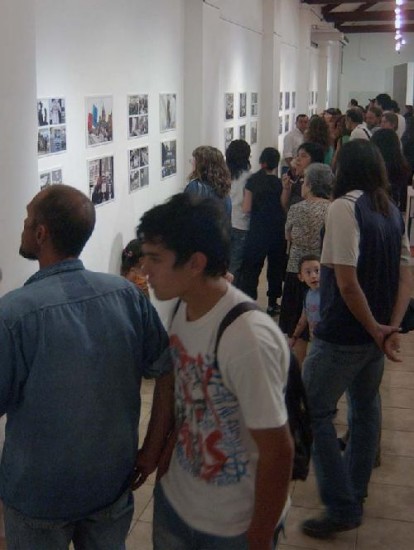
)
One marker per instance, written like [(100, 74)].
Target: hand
[(144, 466), (383, 332), (292, 342), (392, 347), (286, 182)]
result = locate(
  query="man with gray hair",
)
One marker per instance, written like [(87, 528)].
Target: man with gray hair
[(75, 345)]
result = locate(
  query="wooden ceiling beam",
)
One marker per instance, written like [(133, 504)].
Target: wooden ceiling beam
[(385, 15), (390, 28), (326, 2)]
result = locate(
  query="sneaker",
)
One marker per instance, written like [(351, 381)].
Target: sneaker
[(273, 310), (324, 527)]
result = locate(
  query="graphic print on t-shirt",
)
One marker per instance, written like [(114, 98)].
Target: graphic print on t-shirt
[(209, 442)]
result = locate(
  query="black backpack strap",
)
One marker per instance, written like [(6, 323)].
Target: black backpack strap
[(174, 312), (231, 316)]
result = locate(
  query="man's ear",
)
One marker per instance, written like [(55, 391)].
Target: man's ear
[(198, 262), (41, 233)]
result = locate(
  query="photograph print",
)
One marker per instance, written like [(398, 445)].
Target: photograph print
[(280, 125), (168, 158), (101, 179), (51, 120), (168, 112), (287, 100), (287, 123), (50, 177), (229, 106), (138, 168), (253, 132), (242, 104), (293, 100), (254, 109), (43, 142), (281, 101), (242, 132), (99, 120), (228, 137), (137, 115)]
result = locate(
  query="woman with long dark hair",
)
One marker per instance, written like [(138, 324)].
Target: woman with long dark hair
[(318, 132)]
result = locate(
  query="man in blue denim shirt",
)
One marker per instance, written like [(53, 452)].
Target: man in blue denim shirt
[(74, 347)]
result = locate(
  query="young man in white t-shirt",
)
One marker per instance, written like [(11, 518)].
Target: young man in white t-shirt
[(227, 482)]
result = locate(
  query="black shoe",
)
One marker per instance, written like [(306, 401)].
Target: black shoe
[(324, 527), (273, 310)]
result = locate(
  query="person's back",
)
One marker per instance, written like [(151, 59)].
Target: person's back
[(266, 209)]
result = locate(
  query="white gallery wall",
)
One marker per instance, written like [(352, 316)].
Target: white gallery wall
[(367, 67)]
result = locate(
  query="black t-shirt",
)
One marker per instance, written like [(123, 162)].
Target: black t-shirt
[(266, 207)]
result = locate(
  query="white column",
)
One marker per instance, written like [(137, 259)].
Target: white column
[(322, 77), (18, 134)]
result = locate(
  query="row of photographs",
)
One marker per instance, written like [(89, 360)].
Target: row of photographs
[(51, 116), (287, 100), (101, 172), (230, 108), (229, 135)]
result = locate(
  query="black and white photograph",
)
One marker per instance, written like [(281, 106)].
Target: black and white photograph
[(316, 97), (57, 111), (228, 137), (137, 115), (57, 139), (280, 125), (293, 100), (287, 123), (101, 179), (43, 112), (254, 107), (50, 177), (287, 100), (312, 98), (43, 142), (242, 132), (168, 158), (281, 101), (229, 106), (99, 120), (138, 168), (57, 176), (253, 132), (242, 104), (168, 112)]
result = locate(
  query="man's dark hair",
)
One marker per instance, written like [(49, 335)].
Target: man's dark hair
[(394, 106), (270, 157), (360, 166), (353, 102), (314, 150), (302, 115), (187, 224), (238, 157), (355, 115), (376, 110), (307, 258), (69, 216), (385, 102)]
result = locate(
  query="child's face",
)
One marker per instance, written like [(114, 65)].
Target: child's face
[(309, 273)]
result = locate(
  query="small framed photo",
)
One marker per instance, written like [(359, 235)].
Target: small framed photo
[(43, 142), (281, 101), (228, 137), (242, 132), (58, 139), (137, 115), (51, 120), (138, 168), (293, 100), (287, 123), (253, 132), (242, 104), (168, 112), (50, 177), (168, 158), (287, 100), (99, 120), (280, 125), (254, 106), (229, 106), (101, 179)]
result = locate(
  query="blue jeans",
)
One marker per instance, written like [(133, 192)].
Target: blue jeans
[(329, 371), (172, 533), (106, 529), (238, 239)]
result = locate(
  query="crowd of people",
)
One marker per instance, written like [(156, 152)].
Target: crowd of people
[(76, 344)]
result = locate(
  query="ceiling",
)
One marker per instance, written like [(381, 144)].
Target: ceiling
[(354, 16)]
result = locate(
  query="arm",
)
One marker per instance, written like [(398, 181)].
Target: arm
[(354, 298), (160, 427), (274, 469), (286, 191), (300, 327), (247, 201)]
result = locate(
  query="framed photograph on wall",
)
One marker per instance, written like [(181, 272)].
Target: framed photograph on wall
[(287, 100), (168, 158), (138, 168), (280, 125), (253, 132), (242, 104), (242, 132), (281, 101), (99, 120), (51, 120), (229, 106), (50, 177), (101, 179), (293, 100), (137, 115), (287, 123), (168, 112), (254, 106), (228, 137)]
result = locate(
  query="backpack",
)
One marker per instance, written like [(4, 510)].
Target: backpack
[(295, 397)]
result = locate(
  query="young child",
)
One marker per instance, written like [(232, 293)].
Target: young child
[(309, 268), (131, 260)]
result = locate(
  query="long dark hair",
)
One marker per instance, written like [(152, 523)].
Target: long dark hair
[(237, 157), (388, 143), (361, 166), (318, 132)]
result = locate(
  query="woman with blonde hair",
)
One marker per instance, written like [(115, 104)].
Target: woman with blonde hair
[(210, 176)]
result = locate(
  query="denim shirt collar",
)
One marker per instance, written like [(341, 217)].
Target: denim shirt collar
[(60, 267)]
